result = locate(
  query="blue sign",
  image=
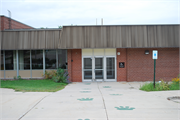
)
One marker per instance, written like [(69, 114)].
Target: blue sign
[(155, 54)]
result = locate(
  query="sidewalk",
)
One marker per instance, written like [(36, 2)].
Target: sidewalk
[(91, 101)]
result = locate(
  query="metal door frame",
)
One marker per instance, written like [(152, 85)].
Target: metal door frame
[(102, 70), (110, 80), (86, 80)]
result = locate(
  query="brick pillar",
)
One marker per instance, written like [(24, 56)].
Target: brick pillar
[(69, 63), (76, 65), (121, 72)]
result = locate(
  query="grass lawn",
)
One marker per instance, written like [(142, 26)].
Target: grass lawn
[(33, 85)]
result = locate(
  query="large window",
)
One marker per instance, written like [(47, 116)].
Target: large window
[(2, 60), (50, 59), (53, 59), (62, 59), (10, 60), (24, 59), (37, 59)]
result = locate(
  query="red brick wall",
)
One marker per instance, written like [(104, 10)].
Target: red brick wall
[(138, 66), (121, 72), (14, 24), (75, 66), (141, 66)]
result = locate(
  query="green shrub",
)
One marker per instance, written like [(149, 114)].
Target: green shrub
[(158, 86), (49, 75), (175, 83), (58, 76), (61, 76), (174, 86), (163, 86), (19, 77), (148, 87)]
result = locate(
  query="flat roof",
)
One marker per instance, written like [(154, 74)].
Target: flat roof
[(114, 25), (33, 29)]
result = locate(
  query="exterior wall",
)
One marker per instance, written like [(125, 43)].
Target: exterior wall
[(2, 74), (75, 65), (50, 70), (140, 67), (14, 24), (25, 73), (37, 73), (121, 72), (11, 74)]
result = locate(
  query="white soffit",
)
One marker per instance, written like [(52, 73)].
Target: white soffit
[(87, 52), (98, 52), (110, 52)]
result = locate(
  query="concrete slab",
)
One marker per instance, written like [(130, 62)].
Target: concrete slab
[(15, 104), (92, 101)]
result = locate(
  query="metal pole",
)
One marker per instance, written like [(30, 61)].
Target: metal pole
[(9, 19), (154, 71)]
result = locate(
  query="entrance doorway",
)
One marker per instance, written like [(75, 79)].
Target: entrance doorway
[(99, 68)]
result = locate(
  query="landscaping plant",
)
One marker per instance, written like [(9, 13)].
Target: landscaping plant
[(175, 84), (49, 75), (161, 85), (61, 76)]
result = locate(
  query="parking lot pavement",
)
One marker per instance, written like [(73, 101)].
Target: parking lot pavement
[(92, 101)]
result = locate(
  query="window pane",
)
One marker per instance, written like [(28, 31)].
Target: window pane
[(110, 68), (87, 63), (24, 59), (10, 60), (99, 74), (62, 59), (50, 59), (2, 61), (98, 63), (37, 59), (88, 74)]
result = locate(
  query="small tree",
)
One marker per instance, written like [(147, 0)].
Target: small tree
[(60, 27)]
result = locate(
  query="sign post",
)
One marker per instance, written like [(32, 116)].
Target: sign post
[(154, 56)]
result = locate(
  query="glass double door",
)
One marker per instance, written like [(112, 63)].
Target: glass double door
[(99, 69)]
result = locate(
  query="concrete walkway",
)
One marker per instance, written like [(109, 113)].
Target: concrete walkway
[(90, 101)]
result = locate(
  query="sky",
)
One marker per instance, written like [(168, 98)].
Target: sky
[(54, 13)]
